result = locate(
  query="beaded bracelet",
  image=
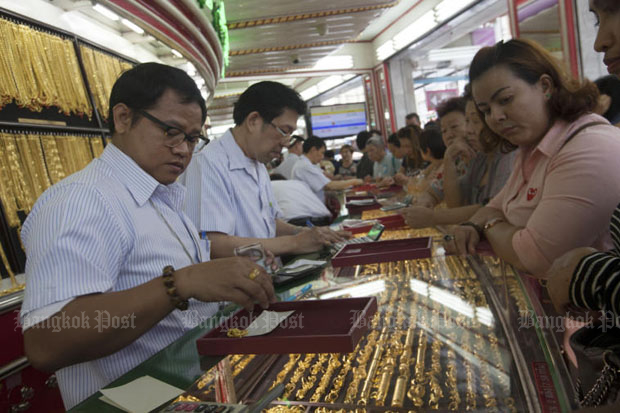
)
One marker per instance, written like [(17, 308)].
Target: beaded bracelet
[(171, 289)]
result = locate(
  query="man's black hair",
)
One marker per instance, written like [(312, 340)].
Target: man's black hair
[(313, 142), (363, 137), (269, 99), (141, 87), (413, 115)]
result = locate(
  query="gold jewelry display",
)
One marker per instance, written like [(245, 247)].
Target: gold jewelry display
[(102, 70), (236, 333), (40, 70)]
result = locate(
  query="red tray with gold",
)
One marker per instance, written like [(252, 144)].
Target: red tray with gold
[(389, 222), (383, 251), (304, 331)]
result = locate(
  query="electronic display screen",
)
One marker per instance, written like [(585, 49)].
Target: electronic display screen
[(338, 121)]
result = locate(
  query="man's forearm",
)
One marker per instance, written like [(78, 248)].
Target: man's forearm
[(223, 245), (337, 185), (108, 323), (284, 228)]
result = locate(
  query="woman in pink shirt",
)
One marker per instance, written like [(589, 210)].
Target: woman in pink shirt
[(565, 184)]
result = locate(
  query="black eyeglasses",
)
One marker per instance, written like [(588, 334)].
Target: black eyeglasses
[(174, 135)]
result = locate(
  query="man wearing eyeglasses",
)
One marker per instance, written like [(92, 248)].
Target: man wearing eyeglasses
[(111, 256), (229, 194)]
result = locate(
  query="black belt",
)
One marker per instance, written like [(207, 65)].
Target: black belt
[(319, 222)]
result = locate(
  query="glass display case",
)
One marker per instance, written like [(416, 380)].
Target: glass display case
[(451, 334)]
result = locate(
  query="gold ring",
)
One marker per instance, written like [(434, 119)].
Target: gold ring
[(253, 274)]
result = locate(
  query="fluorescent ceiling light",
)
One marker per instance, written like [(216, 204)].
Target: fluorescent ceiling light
[(132, 26), (334, 62), (309, 93), (104, 11), (190, 69), (329, 83), (385, 50), (415, 30), (176, 53), (448, 8), (466, 53)]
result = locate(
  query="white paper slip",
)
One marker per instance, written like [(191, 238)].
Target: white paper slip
[(362, 202), (267, 322), (302, 261), (141, 395)]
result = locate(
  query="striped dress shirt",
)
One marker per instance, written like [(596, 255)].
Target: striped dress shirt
[(230, 193), (95, 232)]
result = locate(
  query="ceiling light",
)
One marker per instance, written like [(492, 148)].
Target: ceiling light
[(132, 26), (335, 62), (309, 93), (176, 53), (448, 8), (415, 30), (385, 50), (465, 53), (329, 83), (104, 11)]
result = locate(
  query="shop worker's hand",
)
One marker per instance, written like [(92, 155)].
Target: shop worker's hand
[(418, 217), (226, 279), (310, 240), (464, 240), (560, 274), (333, 236), (270, 261), (386, 181)]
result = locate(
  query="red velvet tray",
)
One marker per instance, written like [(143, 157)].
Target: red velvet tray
[(383, 251), (372, 188), (358, 209), (305, 331), (390, 222)]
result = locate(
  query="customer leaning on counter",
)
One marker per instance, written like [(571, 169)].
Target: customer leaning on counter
[(565, 184), (111, 241)]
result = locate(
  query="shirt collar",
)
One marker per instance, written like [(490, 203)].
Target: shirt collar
[(138, 182), (551, 143), (237, 159)]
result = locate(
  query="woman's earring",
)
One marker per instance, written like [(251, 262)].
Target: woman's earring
[(548, 96)]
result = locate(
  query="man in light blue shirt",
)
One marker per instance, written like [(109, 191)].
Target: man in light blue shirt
[(100, 297), (295, 150), (386, 165), (229, 195), (307, 170)]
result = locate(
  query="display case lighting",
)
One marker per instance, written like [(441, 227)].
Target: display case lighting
[(104, 11), (132, 26)]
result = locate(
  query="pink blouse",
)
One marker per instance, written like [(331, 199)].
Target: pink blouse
[(563, 197)]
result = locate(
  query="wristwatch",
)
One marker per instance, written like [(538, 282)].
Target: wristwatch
[(492, 222)]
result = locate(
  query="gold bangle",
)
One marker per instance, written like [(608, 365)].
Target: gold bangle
[(171, 289)]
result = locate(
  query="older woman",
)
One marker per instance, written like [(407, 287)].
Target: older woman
[(583, 276), (488, 172), (565, 185)]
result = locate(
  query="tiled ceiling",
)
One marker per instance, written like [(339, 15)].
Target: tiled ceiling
[(274, 37)]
